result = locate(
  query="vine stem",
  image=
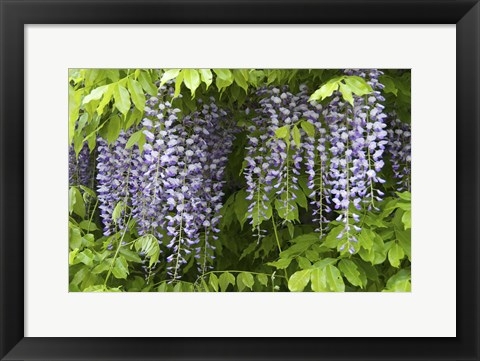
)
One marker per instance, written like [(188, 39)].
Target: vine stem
[(116, 253), (91, 215), (278, 243)]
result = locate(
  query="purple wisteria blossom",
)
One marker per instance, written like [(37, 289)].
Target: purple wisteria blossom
[(80, 168), (357, 140), (274, 162), (399, 147), (114, 164), (175, 182)]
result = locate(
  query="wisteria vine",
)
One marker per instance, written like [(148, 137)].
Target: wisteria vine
[(170, 186)]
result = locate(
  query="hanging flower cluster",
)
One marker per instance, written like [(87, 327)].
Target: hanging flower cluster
[(357, 140), (114, 163), (399, 147), (275, 155), (173, 186), (79, 168), (343, 160), (170, 185)]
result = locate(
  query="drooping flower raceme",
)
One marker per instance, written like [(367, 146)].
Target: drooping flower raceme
[(357, 140), (80, 168), (114, 164), (399, 147), (173, 186), (274, 156)]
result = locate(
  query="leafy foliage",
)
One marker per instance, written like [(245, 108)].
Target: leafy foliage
[(266, 244)]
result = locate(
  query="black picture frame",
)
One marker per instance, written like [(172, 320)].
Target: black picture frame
[(15, 14)]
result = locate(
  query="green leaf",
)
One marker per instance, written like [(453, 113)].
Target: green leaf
[(241, 206), (191, 80), (82, 121), (134, 138), (79, 204), (299, 280), (241, 78), (88, 226), (366, 237), (324, 91), (404, 206), (262, 279), (406, 196), (319, 280), (113, 129), (331, 240), (303, 263), (395, 255), (325, 262), (369, 270), (282, 263), (351, 272), (147, 84), (287, 210), (120, 270), (251, 247), (400, 282), (87, 240), (148, 244), (178, 287), (245, 279), (213, 281), (130, 255), (122, 99), (300, 244), (71, 256), (117, 211), (260, 214), (282, 132), (226, 279), (389, 85), (95, 94), (88, 191), (291, 229), (133, 117), (85, 257), (358, 85), (346, 93), (71, 199), (163, 287), (75, 238), (74, 102), (308, 127), (206, 76), (312, 255), (223, 74), (223, 83), (80, 276), (334, 279), (113, 74), (296, 136), (377, 254), (301, 200), (178, 85), (169, 75), (404, 238), (137, 94), (407, 219)]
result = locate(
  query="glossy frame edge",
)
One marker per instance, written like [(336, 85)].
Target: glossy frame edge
[(14, 15)]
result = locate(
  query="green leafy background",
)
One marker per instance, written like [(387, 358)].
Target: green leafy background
[(292, 257)]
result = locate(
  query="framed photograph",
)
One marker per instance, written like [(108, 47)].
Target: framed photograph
[(206, 180)]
